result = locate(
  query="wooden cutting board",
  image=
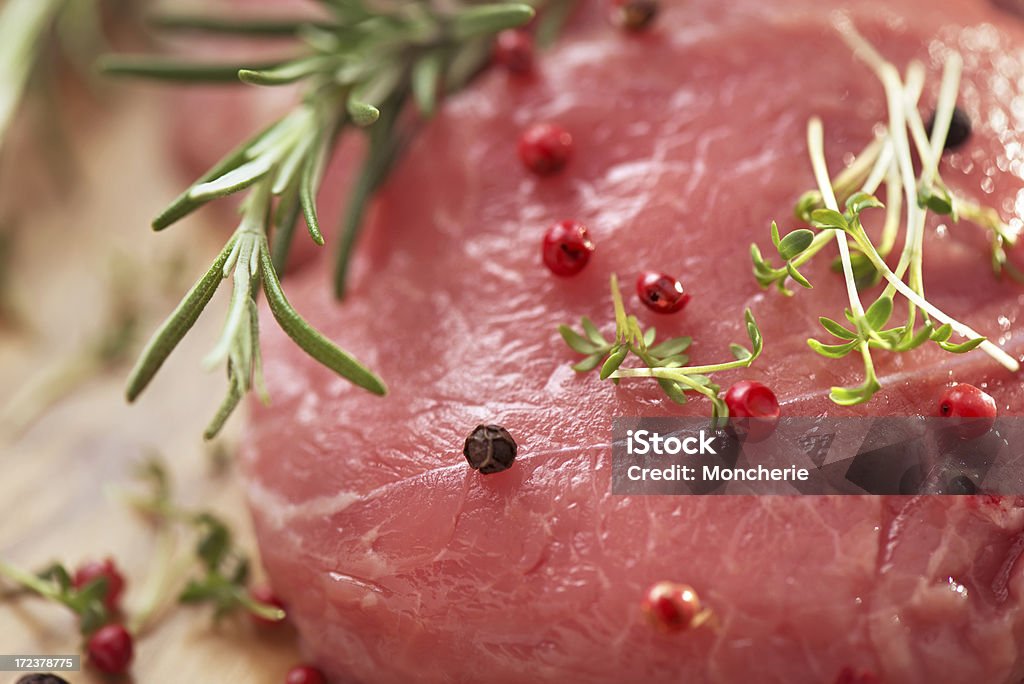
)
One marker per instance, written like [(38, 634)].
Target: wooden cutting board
[(57, 475)]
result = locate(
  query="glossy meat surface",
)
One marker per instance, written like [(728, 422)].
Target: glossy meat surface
[(399, 564)]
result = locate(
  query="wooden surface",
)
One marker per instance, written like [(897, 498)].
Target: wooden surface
[(70, 244)]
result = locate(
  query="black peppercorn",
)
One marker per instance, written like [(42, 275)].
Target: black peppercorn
[(490, 449), (40, 678), (959, 128), (961, 485)]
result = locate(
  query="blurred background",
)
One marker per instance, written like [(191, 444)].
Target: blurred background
[(85, 164)]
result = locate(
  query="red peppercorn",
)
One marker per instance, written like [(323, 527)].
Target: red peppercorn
[(107, 569), (110, 649), (545, 148), (753, 409), (633, 15), (305, 674), (566, 248), (513, 49), (671, 607), (265, 594), (973, 412), (661, 293)]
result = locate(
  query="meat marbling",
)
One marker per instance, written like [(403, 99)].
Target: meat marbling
[(399, 564)]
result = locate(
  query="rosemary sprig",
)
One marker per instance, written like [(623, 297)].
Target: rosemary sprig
[(358, 62), (886, 159), (665, 361)]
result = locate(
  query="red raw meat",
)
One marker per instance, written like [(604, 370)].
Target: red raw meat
[(399, 564)]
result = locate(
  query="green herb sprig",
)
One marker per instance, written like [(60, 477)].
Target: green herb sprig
[(358, 68), (220, 569), (665, 361), (886, 159), (55, 584)]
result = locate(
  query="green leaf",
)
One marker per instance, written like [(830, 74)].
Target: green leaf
[(214, 541), (91, 617), (763, 271), (825, 219), (832, 351), (795, 243), (936, 199), (286, 215), (648, 336), (362, 114), (224, 411), (484, 19), (551, 21), (859, 201), (775, 235), (879, 312), (577, 342), (198, 592), (385, 143), (235, 26), (740, 352), (94, 590), (163, 69), (672, 390), (58, 574), (942, 333), (615, 359), (426, 76), (311, 341), (865, 275), (797, 276), (289, 72), (964, 347), (851, 396), (593, 334), (240, 575), (234, 180), (836, 329), (177, 325), (307, 191), (671, 347), (754, 333), (806, 205), (588, 364), (915, 340), (185, 204)]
